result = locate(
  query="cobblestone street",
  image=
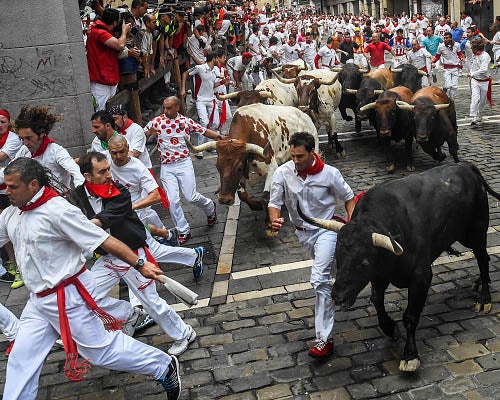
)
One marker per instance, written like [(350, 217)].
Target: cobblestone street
[(254, 320)]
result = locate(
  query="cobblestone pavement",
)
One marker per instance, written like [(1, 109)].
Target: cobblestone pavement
[(255, 317)]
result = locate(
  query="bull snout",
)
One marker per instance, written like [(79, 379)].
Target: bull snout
[(226, 199), (304, 108), (422, 137), (385, 132)]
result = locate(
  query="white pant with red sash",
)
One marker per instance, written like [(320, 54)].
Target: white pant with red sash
[(108, 270), (39, 328)]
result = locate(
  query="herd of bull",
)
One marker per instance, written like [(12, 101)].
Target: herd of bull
[(393, 236)]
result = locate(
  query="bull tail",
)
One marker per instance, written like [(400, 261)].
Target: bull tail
[(485, 184)]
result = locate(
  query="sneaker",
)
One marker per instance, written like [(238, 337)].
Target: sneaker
[(184, 237), (180, 346), (7, 277), (479, 118), (148, 321), (198, 263), (172, 381), (434, 78), (11, 267), (473, 123), (18, 282), (199, 155), (138, 316), (174, 238), (212, 219), (9, 349), (321, 349)]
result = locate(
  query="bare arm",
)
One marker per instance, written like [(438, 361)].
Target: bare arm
[(349, 207), (119, 44), (276, 220), (152, 198)]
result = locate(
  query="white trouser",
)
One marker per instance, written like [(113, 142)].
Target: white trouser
[(206, 109), (39, 329), (478, 97), (450, 76), (381, 66), (320, 245), (180, 175), (360, 60), (496, 57), (149, 216), (2, 268), (223, 104), (425, 81), (108, 270), (9, 324), (102, 93), (467, 66)]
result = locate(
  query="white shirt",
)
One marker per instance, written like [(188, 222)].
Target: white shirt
[(290, 53), (48, 241), (11, 147), (57, 159), (193, 44), (496, 38), (449, 55), (466, 22), (236, 64), (317, 194), (219, 73), (310, 51), (327, 57), (419, 58), (481, 66), (135, 177), (440, 30), (137, 141), (253, 41), (171, 134), (208, 77)]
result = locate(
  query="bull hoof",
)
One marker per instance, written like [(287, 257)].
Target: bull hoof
[(485, 307), (410, 168), (357, 128), (348, 118), (390, 168), (342, 154), (477, 287), (410, 365)]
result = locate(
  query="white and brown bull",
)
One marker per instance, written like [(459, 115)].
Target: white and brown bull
[(319, 95), (270, 91), (292, 70), (257, 143)]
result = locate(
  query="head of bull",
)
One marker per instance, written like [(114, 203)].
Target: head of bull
[(307, 91), (246, 97), (233, 157), (290, 71), (365, 96), (356, 251), (385, 114), (426, 115)]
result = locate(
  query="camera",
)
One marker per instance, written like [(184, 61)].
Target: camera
[(129, 19)]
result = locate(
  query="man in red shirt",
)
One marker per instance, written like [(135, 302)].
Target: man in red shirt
[(375, 51), (102, 56)]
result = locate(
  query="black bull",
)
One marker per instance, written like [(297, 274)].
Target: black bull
[(398, 229)]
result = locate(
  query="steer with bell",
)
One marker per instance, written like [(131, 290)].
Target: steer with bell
[(397, 230)]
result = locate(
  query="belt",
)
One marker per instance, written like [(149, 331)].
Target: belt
[(299, 228), (450, 66)]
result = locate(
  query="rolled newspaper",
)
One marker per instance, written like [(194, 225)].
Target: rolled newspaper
[(181, 292)]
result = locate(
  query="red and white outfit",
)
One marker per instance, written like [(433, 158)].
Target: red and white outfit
[(451, 59), (57, 159), (317, 195), (421, 59), (290, 53), (225, 115), (326, 58), (377, 53), (48, 241), (136, 139), (177, 171), (480, 84)]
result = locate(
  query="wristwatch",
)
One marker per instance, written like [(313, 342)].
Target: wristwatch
[(139, 264)]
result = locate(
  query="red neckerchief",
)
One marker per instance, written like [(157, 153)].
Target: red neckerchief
[(317, 166), (291, 45), (123, 131), (48, 193), (421, 18), (104, 191), (45, 142), (3, 139), (308, 41)]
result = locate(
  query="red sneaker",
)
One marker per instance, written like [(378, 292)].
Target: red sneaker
[(321, 349), (212, 219), (184, 237), (9, 349)]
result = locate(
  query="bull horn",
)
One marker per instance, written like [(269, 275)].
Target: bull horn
[(351, 91), (255, 149), (335, 69), (403, 105), (227, 96), (303, 67), (378, 91), (367, 107), (363, 70), (277, 69), (329, 224), (283, 80), (441, 106), (202, 147), (387, 243), (397, 70), (420, 72), (264, 94), (330, 82)]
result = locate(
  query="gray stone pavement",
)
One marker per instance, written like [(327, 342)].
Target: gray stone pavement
[(255, 320)]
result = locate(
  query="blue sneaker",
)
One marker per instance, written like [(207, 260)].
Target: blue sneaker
[(174, 238), (172, 381), (148, 321), (198, 263)]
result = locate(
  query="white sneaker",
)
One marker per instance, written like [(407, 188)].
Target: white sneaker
[(138, 316), (180, 346), (479, 118)]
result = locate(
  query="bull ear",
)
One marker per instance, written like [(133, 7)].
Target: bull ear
[(387, 242), (267, 150), (329, 224)]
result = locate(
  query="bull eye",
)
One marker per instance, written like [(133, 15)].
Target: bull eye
[(365, 262)]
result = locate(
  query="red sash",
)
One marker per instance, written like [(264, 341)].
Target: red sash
[(104, 191)]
